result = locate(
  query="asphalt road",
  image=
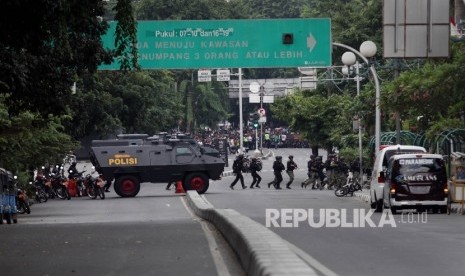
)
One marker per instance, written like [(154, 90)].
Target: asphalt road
[(431, 244), (156, 234), (151, 234)]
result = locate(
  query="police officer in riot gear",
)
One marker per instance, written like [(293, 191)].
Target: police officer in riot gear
[(290, 167), (278, 167), (255, 166), (238, 165)]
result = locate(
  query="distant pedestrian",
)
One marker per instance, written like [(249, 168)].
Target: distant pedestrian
[(255, 166), (238, 165), (278, 167), (290, 167), (267, 139), (276, 140)]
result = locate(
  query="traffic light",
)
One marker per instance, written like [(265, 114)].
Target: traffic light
[(253, 118), (256, 117)]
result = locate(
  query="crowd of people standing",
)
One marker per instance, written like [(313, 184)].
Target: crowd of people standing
[(269, 138)]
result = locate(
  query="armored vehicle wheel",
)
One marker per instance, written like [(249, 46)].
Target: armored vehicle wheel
[(127, 186), (196, 181)]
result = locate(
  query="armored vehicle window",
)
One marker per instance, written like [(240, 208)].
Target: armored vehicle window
[(183, 151)]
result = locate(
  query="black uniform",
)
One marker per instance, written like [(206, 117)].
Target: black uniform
[(255, 166), (72, 171), (290, 167), (238, 165), (278, 167)]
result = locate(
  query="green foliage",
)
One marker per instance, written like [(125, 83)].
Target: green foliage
[(323, 120), (144, 101), (352, 153), (27, 140), (352, 21), (185, 9), (44, 45), (443, 124), (275, 8), (126, 35), (433, 92)]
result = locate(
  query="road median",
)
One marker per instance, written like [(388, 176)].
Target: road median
[(259, 250)]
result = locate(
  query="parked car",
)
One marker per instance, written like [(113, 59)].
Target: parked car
[(416, 181), (380, 165)]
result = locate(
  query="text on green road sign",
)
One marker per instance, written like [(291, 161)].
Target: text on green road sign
[(229, 43)]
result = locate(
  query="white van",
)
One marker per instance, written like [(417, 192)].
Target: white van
[(380, 165)]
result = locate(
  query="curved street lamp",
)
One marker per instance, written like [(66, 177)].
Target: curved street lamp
[(349, 59), (367, 50)]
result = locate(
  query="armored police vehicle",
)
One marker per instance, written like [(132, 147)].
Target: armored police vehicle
[(134, 159)]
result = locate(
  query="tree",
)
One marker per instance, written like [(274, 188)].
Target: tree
[(275, 9), (323, 120), (433, 93), (352, 22), (45, 49), (126, 36), (27, 140), (147, 103)]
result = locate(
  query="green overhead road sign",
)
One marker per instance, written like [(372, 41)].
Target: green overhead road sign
[(257, 43)]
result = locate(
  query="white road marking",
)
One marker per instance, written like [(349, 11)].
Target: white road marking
[(311, 261), (220, 264), (316, 265)]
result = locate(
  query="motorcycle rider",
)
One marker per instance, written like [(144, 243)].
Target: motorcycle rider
[(290, 167), (22, 202), (255, 166), (72, 171), (238, 165), (74, 174), (355, 169), (342, 170)]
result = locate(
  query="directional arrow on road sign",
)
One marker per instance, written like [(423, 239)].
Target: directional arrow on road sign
[(311, 42)]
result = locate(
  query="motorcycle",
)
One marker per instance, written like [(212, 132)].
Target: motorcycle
[(78, 179), (95, 187), (22, 204), (41, 195), (60, 186), (350, 187)]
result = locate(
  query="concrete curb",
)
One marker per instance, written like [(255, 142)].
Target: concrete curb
[(260, 251)]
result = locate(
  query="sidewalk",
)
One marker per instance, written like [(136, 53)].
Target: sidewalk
[(365, 196)]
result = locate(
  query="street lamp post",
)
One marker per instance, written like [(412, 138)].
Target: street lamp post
[(349, 59), (368, 49), (241, 120)]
